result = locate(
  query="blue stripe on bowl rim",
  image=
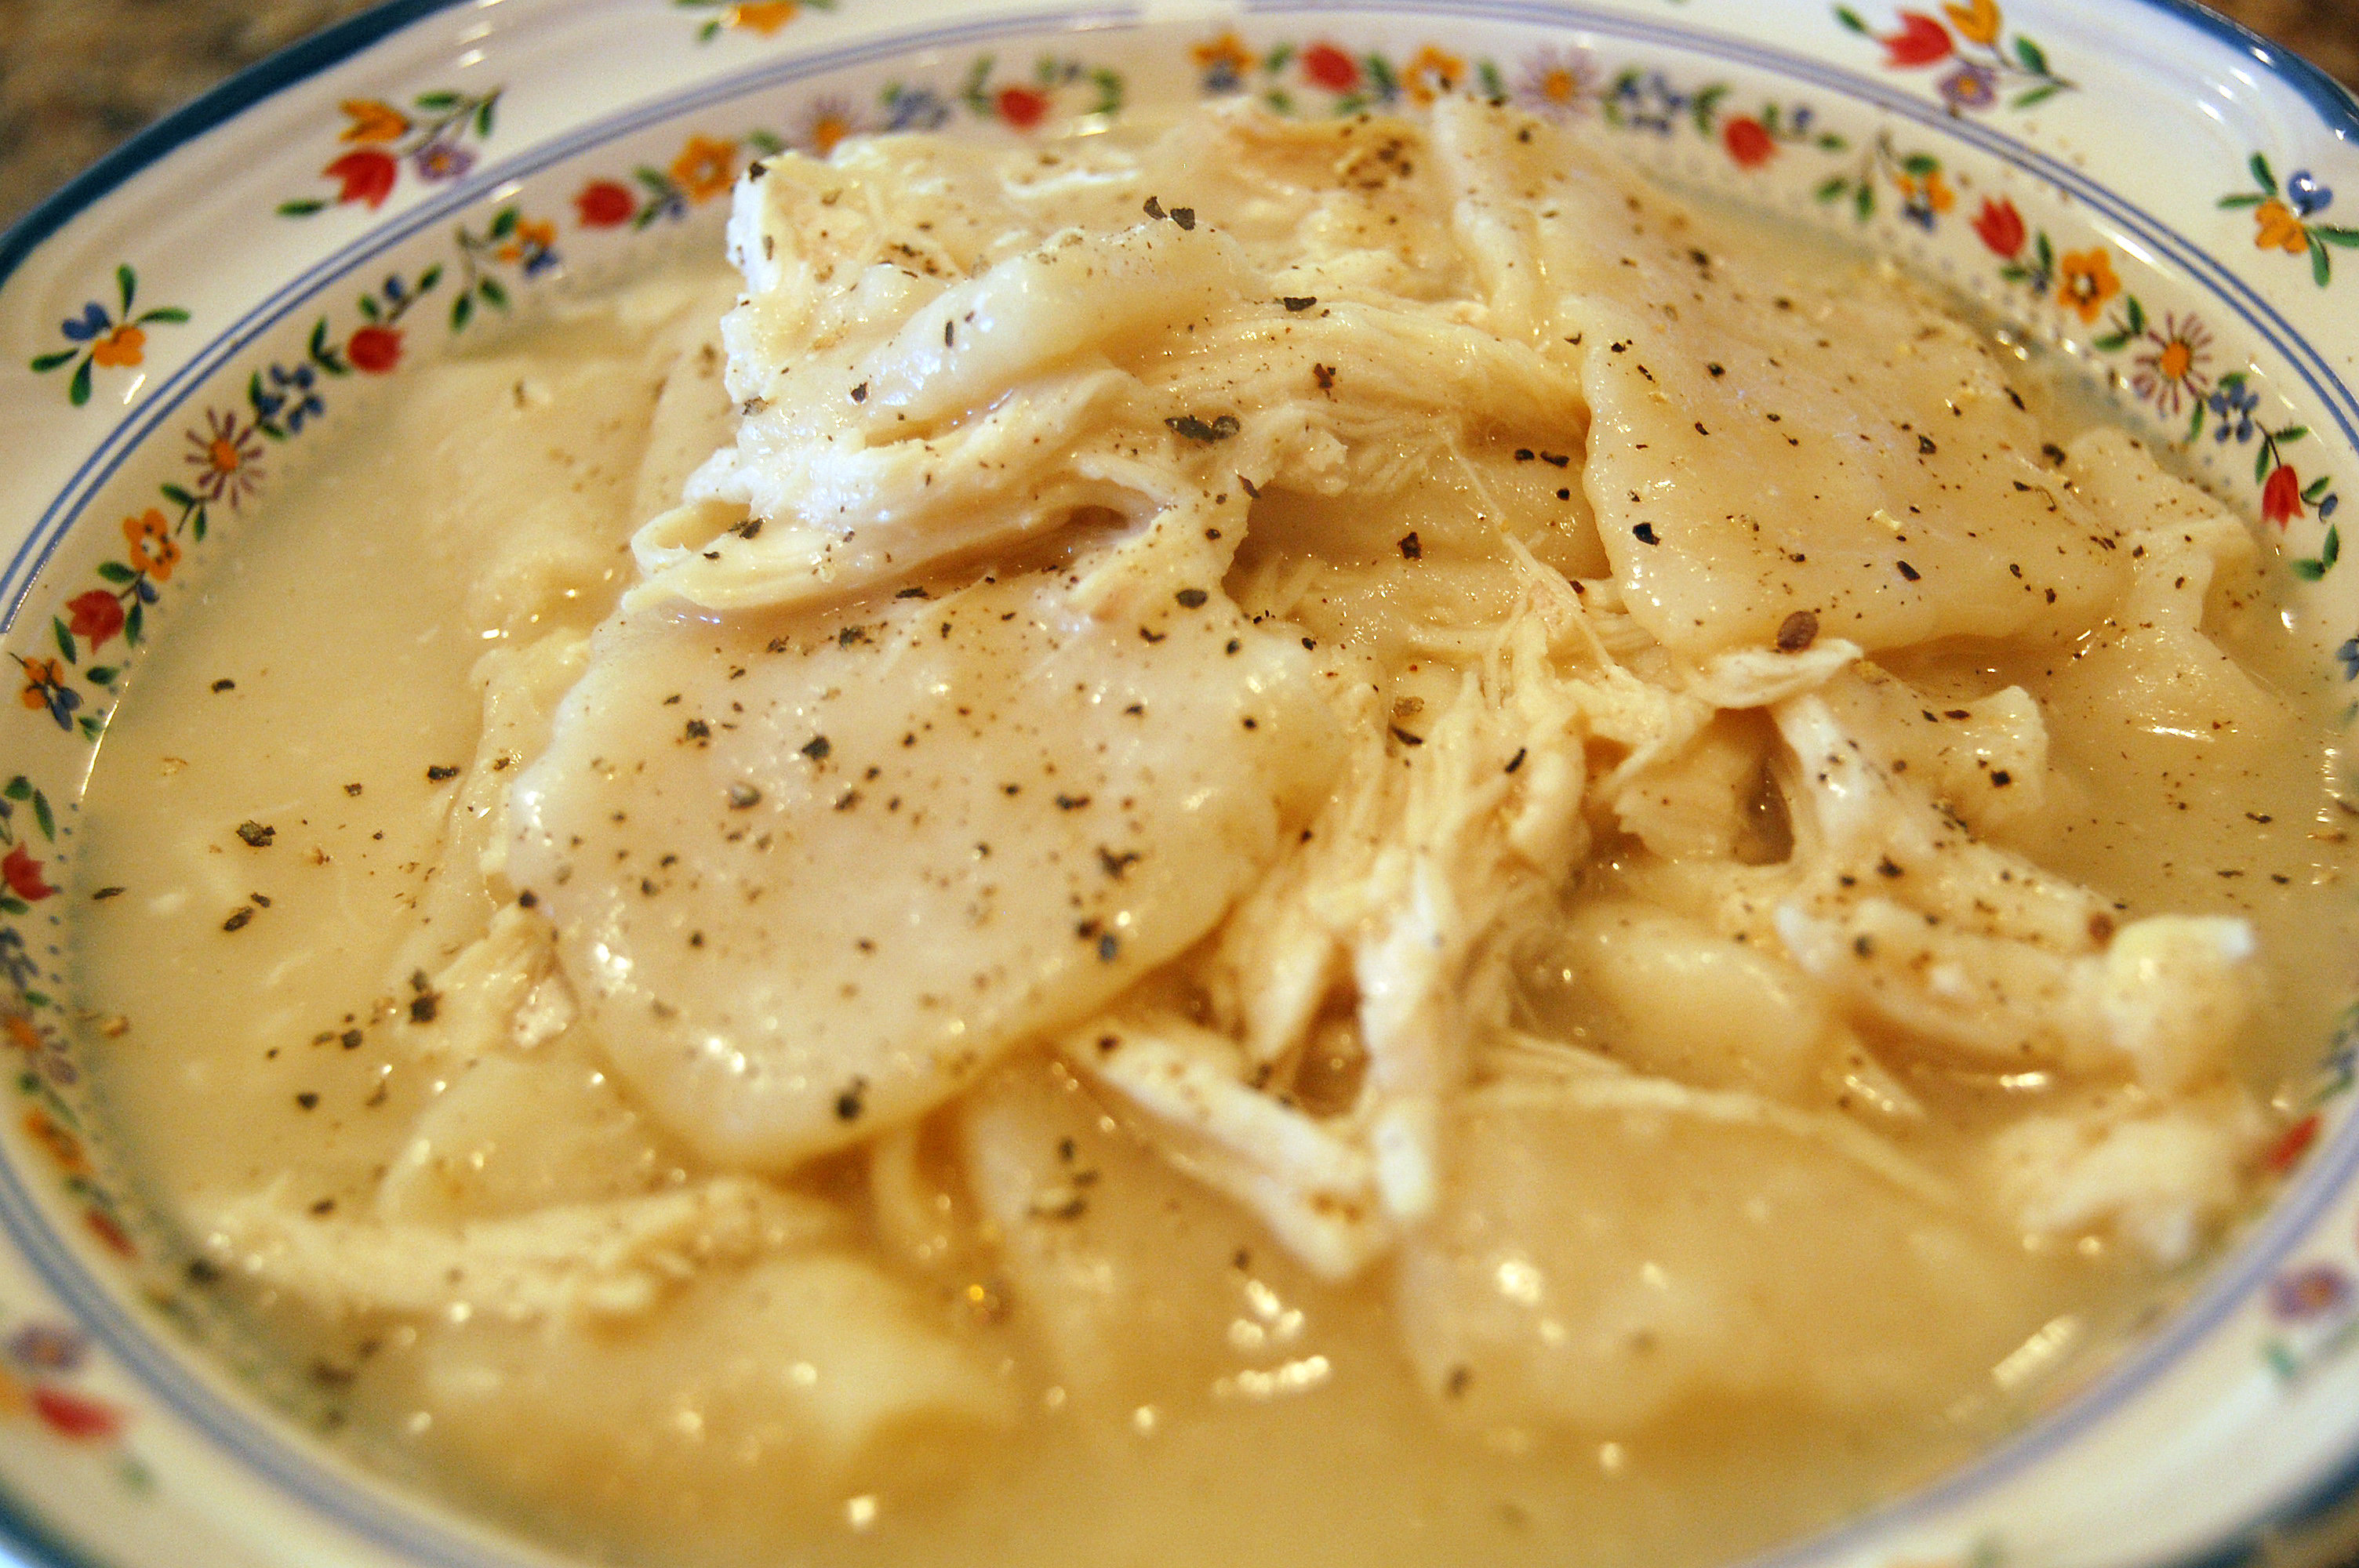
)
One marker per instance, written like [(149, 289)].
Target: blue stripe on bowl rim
[(26, 1536)]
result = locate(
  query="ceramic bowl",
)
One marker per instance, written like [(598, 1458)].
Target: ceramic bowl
[(2138, 182)]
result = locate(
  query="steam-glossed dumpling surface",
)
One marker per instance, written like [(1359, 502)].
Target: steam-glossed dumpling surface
[(809, 876)]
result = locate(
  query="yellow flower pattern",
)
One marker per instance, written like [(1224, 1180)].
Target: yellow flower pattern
[(705, 168), (2087, 281), (153, 549)]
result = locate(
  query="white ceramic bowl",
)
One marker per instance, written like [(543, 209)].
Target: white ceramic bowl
[(185, 324)]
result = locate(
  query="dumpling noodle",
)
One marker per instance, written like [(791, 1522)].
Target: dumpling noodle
[(1317, 793)]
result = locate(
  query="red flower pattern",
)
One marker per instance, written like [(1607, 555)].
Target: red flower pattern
[(23, 874), (1748, 141), (375, 349), (96, 615), (2001, 226), (364, 176), (1921, 40), (1022, 107), (2281, 497), (1331, 67), (72, 1415), (605, 204)]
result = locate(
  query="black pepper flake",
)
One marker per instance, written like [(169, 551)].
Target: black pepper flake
[(1115, 865), (743, 796), (1405, 737), (1325, 376), (1556, 459), (1108, 949), (2052, 453), (1700, 430), (1298, 303), (349, 1040), (1925, 445), (1253, 490), (697, 729), (848, 1104), (1071, 801), (1154, 209), (1911, 573), (352, 789), (1525, 454), (1564, 494), (259, 899), (1887, 867), (848, 635), (2001, 778), (308, 1100), (748, 528), (1798, 632), (239, 918), (1150, 635), (441, 773), (1518, 760), (1189, 427), (1233, 646), (104, 893), (847, 800), (1644, 534), (422, 1008), (860, 393), (1191, 598), (950, 334), (817, 748), (913, 593), (256, 835), (527, 899), (224, 685), (201, 1272), (1716, 370), (1185, 217), (1411, 548)]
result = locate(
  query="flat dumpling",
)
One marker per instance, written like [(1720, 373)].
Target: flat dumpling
[(1613, 1247), (808, 877), (1765, 442)]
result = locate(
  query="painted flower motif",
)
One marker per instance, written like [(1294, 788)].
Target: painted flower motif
[(1325, 65), (47, 1347), (365, 176), (76, 1416), (61, 1145), (23, 873), (1921, 40), (1433, 74), (2087, 281), (705, 168), (915, 109), (1970, 86), (114, 1238), (531, 242), (2307, 196), (227, 456), (1748, 141), (2171, 367), (439, 162), (2279, 229), (605, 204), (98, 337), (2281, 495), (373, 120), (122, 349), (374, 350), (762, 17), (825, 124), (1924, 197), (94, 616), (26, 1036), (1559, 84), (1977, 22), (1022, 107), (1225, 62), (44, 687), (2000, 226), (288, 399), (2303, 1294), (2232, 404), (153, 550)]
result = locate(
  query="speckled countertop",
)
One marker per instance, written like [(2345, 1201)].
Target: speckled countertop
[(77, 76)]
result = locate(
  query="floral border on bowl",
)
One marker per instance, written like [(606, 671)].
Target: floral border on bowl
[(2177, 366)]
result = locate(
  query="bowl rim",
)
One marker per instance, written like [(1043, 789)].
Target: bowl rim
[(26, 1536)]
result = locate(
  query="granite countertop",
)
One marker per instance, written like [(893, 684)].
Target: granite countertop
[(77, 76)]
